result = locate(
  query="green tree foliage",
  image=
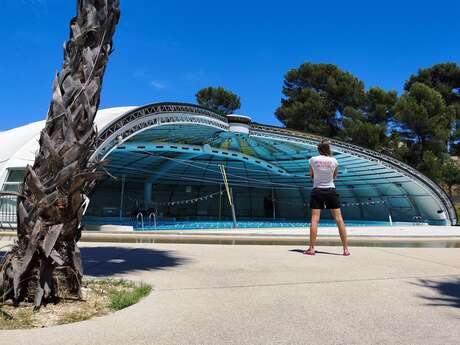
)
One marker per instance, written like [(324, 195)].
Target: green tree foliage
[(358, 130), (218, 99), (379, 105), (418, 128), (450, 175), (367, 125), (445, 79), (316, 96), (396, 147), (430, 165), (425, 119)]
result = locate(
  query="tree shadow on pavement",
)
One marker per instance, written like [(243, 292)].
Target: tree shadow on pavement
[(105, 261), (449, 292), (301, 251)]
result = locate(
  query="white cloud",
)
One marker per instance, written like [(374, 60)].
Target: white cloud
[(158, 84)]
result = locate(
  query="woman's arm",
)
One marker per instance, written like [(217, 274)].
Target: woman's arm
[(312, 174), (336, 172)]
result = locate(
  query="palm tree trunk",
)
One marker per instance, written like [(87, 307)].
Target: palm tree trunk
[(45, 262)]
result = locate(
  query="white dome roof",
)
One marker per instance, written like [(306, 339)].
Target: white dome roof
[(20, 145)]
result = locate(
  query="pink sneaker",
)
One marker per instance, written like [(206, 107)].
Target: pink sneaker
[(346, 252), (309, 251)]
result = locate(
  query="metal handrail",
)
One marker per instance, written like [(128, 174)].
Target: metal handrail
[(141, 216), (154, 216), (417, 220)]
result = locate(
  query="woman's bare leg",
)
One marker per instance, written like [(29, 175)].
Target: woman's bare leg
[(342, 230), (315, 216)]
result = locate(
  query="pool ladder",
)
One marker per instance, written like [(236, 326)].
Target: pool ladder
[(141, 216), (154, 216), (418, 220)]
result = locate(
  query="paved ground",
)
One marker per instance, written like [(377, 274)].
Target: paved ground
[(211, 294)]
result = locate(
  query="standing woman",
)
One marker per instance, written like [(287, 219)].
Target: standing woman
[(323, 171)]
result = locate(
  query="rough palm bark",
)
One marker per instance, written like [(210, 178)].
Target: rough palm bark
[(45, 262)]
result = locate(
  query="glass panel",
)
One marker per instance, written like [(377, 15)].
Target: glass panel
[(8, 204), (399, 202), (16, 175), (11, 187), (8, 209)]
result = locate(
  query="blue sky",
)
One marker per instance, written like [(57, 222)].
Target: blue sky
[(166, 50)]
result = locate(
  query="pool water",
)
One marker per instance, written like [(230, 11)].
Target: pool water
[(194, 225)]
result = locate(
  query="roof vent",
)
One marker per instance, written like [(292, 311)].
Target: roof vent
[(239, 123)]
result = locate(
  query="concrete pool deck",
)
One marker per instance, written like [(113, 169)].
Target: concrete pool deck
[(397, 236), (214, 294)]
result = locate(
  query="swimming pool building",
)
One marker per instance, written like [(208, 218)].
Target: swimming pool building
[(182, 162)]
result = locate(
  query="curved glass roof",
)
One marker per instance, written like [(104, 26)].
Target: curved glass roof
[(184, 150)]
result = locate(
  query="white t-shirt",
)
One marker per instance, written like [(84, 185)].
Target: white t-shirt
[(323, 169)]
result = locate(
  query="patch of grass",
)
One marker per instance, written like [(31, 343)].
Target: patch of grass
[(120, 299), (75, 316), (111, 283), (122, 293), (85, 312), (22, 319), (99, 297)]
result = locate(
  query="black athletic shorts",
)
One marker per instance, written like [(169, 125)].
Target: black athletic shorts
[(324, 198)]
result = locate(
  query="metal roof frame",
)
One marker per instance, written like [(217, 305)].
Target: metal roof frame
[(154, 115)]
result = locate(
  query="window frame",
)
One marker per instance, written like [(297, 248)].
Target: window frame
[(7, 183)]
